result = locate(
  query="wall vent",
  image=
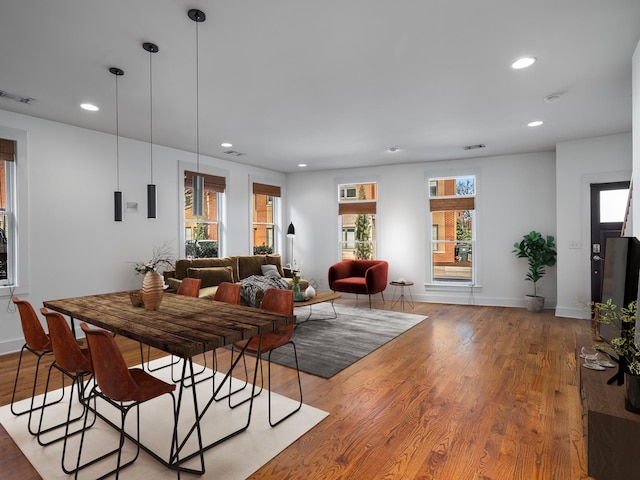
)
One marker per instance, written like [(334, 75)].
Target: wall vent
[(233, 152), (16, 98), (473, 147)]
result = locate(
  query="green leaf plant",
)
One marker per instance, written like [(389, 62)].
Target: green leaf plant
[(540, 252)]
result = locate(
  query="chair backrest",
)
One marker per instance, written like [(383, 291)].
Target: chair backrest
[(109, 367), (34, 335), (189, 287), (228, 293), (66, 350), (279, 301)]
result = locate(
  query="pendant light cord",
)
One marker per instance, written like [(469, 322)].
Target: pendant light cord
[(197, 102), (151, 112), (117, 140)]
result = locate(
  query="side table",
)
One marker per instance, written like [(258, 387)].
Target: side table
[(402, 298)]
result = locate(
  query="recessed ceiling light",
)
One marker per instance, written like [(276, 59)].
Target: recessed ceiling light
[(302, 165), (393, 149), (523, 62), (537, 123), (89, 106), (226, 145)]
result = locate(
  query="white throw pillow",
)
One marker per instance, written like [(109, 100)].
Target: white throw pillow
[(270, 271)]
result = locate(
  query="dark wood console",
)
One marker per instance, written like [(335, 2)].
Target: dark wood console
[(611, 433)]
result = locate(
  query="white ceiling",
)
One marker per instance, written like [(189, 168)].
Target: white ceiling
[(330, 83)]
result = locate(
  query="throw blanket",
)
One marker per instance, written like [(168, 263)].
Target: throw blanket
[(254, 284)]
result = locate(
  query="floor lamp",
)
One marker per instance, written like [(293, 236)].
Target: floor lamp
[(291, 233)]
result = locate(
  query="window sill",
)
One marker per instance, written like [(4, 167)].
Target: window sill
[(444, 286)]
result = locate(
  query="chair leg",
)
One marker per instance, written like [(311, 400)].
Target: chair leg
[(246, 381), (119, 466), (33, 389), (295, 354), (77, 381)]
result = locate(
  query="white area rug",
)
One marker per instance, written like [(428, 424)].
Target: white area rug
[(236, 458)]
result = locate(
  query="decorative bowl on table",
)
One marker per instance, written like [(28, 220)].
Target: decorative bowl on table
[(136, 298)]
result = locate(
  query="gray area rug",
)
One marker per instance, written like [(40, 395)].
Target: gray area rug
[(327, 346)]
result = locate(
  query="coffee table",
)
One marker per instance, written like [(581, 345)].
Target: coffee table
[(319, 298)]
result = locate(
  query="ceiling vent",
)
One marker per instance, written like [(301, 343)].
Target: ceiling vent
[(16, 98), (474, 147), (233, 152)]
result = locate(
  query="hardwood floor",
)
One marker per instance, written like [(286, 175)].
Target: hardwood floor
[(471, 393)]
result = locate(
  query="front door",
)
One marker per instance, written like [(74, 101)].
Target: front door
[(608, 210)]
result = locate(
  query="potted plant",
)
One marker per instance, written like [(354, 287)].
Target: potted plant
[(623, 346), (540, 252)]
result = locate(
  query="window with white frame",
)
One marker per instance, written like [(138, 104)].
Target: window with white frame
[(202, 234), (265, 214), (357, 211), (8, 232), (452, 213)]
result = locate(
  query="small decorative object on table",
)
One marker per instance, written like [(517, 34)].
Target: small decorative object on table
[(152, 283), (136, 298), (298, 296)]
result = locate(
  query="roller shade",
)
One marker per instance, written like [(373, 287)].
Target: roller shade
[(442, 204), (263, 189), (357, 208), (211, 182), (7, 150)]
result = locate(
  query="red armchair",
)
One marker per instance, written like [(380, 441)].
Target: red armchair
[(366, 277)]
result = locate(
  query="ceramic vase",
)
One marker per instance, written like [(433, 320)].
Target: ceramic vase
[(310, 292), (152, 290)]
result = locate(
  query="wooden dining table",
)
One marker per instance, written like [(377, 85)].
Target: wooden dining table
[(182, 326)]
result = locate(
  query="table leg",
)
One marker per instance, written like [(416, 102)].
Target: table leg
[(335, 315)]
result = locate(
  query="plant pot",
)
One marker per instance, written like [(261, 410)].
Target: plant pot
[(534, 303), (152, 290), (632, 393)]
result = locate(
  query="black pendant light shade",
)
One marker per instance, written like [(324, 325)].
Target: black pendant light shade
[(117, 195), (117, 206), (151, 188), (291, 231), (198, 195), (152, 199)]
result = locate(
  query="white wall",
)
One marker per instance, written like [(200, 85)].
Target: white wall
[(74, 246), (579, 164), (515, 195)]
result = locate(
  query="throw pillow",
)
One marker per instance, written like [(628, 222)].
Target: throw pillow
[(211, 276), (270, 271)]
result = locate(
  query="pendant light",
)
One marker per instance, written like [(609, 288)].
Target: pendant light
[(117, 195), (197, 16), (151, 188)]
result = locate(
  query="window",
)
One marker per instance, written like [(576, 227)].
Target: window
[(202, 234), (452, 210), (7, 201), (357, 211), (265, 208)]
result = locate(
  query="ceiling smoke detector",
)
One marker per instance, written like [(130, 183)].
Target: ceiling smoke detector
[(474, 147), (16, 98)]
